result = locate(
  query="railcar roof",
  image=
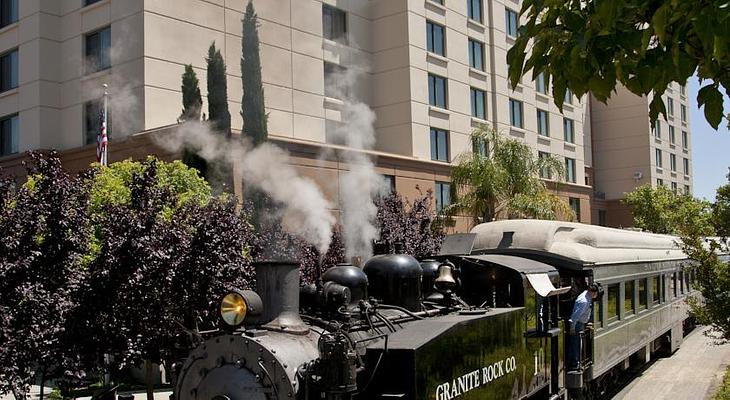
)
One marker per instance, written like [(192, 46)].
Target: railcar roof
[(581, 243)]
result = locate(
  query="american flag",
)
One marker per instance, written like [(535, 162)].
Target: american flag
[(101, 139)]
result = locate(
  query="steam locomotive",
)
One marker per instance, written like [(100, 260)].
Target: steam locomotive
[(484, 319)]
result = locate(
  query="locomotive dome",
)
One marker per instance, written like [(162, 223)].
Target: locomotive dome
[(580, 243)]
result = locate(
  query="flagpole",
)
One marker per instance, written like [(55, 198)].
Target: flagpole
[(104, 156)]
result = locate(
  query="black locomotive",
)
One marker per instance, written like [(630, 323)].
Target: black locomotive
[(458, 326), (482, 320)]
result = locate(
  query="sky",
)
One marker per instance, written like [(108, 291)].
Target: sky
[(710, 148)]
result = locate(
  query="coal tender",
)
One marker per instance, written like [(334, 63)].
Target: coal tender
[(458, 326)]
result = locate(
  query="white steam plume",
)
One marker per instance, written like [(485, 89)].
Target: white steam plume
[(361, 184), (306, 211)]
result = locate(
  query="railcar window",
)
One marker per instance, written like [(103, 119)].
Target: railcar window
[(643, 294), (655, 289), (687, 281), (598, 313), (629, 297), (664, 278), (673, 285), (613, 302)]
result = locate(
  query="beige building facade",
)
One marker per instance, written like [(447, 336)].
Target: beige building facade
[(628, 152), (431, 70)]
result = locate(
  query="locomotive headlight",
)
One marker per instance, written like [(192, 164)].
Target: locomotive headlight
[(239, 304)]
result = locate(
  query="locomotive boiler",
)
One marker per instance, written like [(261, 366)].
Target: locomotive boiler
[(456, 326)]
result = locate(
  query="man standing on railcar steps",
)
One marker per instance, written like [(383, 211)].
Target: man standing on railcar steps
[(578, 319)]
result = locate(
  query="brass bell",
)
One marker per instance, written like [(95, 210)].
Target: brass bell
[(445, 281)]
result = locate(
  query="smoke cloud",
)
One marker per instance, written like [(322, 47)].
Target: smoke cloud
[(361, 184), (306, 212)]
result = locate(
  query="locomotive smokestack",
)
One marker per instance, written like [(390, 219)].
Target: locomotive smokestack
[(277, 282)]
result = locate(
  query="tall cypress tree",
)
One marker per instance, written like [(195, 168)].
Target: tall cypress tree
[(218, 92), (219, 174), (252, 104), (191, 98), (192, 106)]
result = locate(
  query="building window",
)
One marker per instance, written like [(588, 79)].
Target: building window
[(673, 162), (443, 195), (686, 189), (8, 12), (388, 185), (674, 187), (656, 289), (672, 139), (629, 297), (613, 302), (602, 217), (658, 129), (9, 70), (658, 158), (682, 90), (515, 113), (476, 54), (474, 9), (685, 163), (334, 23), (685, 139), (435, 42), (544, 172), (541, 84), (569, 130), (437, 91), (93, 117), (681, 282), (439, 145), (660, 182), (683, 112), (670, 106), (543, 124), (574, 203), (570, 170), (511, 22), (98, 55), (9, 135), (478, 104), (643, 304), (568, 97), (479, 146), (334, 81)]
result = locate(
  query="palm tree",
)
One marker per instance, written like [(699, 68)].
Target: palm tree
[(500, 179)]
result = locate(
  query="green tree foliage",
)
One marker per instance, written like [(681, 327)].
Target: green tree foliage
[(589, 46), (660, 210), (218, 113), (252, 103), (192, 107), (112, 185), (721, 210), (502, 180)]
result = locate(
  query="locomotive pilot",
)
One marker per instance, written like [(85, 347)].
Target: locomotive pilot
[(578, 319)]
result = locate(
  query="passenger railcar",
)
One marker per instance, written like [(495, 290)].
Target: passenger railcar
[(485, 319), (644, 281)]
